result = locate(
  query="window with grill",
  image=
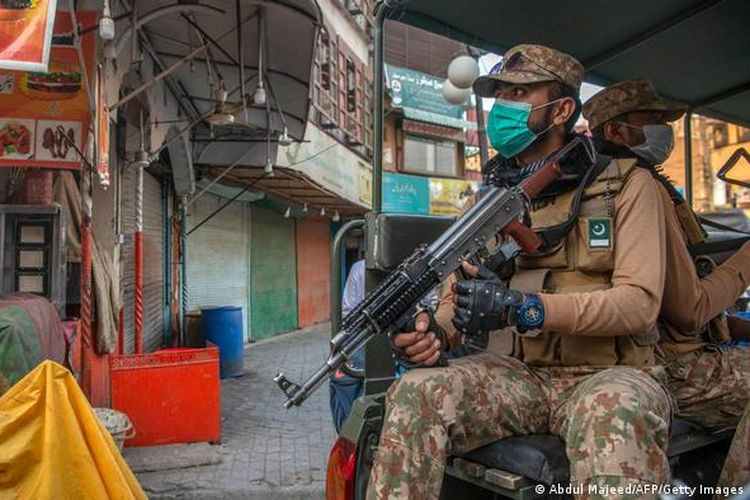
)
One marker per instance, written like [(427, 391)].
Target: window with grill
[(342, 93), (351, 87), (325, 89)]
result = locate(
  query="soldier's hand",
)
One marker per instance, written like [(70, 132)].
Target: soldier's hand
[(420, 346), (480, 302), (471, 270)]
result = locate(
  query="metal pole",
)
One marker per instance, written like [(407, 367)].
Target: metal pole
[(377, 157), (241, 65), (139, 260), (87, 336), (379, 366), (166, 258), (183, 271), (134, 38), (481, 131), (336, 273), (689, 158), (338, 242), (479, 109)]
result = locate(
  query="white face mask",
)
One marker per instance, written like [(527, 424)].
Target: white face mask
[(658, 145)]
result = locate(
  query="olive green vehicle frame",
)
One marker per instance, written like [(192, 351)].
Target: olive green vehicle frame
[(694, 51)]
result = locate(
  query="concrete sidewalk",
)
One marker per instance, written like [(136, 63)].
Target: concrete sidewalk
[(266, 451)]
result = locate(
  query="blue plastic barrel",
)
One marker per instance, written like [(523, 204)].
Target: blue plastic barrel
[(223, 326)]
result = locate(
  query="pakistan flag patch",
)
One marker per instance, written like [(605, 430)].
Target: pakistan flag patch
[(600, 233)]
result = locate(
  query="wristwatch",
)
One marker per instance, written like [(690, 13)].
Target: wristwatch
[(530, 313)]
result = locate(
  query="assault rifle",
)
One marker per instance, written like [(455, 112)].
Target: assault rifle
[(391, 304)]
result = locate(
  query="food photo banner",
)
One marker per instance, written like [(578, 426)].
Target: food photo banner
[(42, 113), (26, 28)]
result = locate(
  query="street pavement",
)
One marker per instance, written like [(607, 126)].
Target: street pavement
[(266, 451)]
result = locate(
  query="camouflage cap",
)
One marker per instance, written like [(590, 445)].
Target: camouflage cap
[(624, 97), (531, 64)]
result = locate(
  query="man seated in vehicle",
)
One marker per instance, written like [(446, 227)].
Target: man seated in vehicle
[(582, 323), (711, 384)]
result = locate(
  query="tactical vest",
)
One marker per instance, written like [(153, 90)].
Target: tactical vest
[(582, 262), (674, 342)]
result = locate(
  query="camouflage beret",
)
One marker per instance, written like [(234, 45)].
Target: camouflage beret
[(624, 97), (531, 64)]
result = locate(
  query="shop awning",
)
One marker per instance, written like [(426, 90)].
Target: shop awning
[(297, 189), (319, 171), (254, 48)]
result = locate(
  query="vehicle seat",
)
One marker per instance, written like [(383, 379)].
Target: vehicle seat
[(539, 457), (542, 458)]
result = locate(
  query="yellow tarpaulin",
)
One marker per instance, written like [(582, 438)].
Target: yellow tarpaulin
[(53, 447)]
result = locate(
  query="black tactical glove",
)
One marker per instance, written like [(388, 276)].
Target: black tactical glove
[(483, 304), (409, 326)]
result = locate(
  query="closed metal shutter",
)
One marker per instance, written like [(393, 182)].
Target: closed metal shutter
[(217, 256), (313, 272), (153, 265), (273, 274)]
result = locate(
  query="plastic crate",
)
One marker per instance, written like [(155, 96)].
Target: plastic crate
[(171, 395)]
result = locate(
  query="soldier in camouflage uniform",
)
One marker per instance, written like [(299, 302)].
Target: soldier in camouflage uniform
[(736, 471), (571, 338), (711, 384)]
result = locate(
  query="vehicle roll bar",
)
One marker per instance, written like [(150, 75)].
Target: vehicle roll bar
[(336, 252)]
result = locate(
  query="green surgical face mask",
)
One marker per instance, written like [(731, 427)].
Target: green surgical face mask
[(508, 126)]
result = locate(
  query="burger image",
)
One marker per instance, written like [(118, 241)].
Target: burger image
[(60, 83), (13, 10)]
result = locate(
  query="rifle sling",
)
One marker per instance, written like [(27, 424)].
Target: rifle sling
[(553, 234)]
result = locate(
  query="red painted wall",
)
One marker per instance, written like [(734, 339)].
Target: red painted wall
[(313, 272)]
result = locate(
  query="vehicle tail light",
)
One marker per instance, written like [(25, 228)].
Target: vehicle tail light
[(341, 470)]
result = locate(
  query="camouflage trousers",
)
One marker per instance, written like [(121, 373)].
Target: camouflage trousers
[(736, 471), (615, 421), (715, 392), (711, 386)]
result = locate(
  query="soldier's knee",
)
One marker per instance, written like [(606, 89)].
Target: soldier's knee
[(407, 391), (628, 395)]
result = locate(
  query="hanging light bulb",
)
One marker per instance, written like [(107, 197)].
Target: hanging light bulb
[(106, 23), (336, 216), (322, 211), (268, 169), (284, 139), (288, 212), (259, 97), (304, 208)]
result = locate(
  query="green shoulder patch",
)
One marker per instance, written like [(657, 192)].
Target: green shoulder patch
[(600, 233)]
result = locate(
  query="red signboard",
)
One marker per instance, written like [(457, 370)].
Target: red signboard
[(25, 33), (41, 114)]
